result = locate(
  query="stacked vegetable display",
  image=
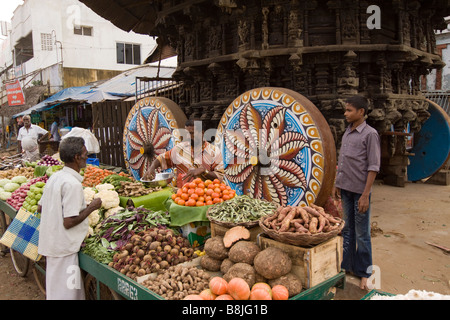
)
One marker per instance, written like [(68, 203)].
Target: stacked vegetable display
[(22, 194), (48, 161), (200, 193)]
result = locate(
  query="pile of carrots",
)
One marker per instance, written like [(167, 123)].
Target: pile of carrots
[(200, 193), (94, 175)]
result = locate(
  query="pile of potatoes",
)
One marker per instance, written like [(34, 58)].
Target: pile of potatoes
[(244, 259), (150, 251), (177, 282), (27, 172)]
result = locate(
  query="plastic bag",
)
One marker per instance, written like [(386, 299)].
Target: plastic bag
[(90, 141)]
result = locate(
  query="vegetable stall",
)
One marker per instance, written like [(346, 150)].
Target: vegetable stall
[(260, 233), (137, 252)]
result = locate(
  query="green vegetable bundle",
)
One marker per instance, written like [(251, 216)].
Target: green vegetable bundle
[(115, 180)]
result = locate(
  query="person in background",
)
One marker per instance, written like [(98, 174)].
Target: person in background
[(29, 130), (54, 130), (63, 223), (192, 158), (358, 165), (30, 150)]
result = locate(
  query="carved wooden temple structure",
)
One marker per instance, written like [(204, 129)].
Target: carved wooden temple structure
[(324, 50)]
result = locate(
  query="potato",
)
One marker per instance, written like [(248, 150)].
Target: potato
[(210, 263), (243, 251), (215, 248), (290, 281), (241, 270), (272, 263)]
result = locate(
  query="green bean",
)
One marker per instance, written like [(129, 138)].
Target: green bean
[(241, 209)]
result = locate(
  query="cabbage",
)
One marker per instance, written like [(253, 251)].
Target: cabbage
[(3, 182), (19, 179), (51, 170), (11, 187), (5, 195)]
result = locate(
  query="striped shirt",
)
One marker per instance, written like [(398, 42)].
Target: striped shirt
[(182, 158), (359, 154)]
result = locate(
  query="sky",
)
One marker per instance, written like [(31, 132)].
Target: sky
[(7, 8)]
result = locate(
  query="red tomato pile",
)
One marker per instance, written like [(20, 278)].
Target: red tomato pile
[(200, 193)]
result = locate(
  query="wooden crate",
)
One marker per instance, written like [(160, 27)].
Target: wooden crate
[(217, 230), (312, 265)]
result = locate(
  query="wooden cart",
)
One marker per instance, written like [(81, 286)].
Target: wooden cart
[(103, 282)]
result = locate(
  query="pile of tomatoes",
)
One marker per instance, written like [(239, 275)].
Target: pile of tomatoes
[(203, 193)]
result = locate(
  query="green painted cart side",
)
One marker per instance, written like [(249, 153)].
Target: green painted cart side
[(121, 284), (376, 292), (7, 209), (132, 290)]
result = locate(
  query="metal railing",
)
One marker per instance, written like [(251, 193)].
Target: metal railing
[(441, 98)]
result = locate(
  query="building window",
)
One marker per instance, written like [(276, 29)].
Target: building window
[(128, 53), (46, 42), (82, 30)]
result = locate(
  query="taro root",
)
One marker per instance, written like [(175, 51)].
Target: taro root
[(241, 270), (210, 263), (215, 248), (290, 281), (226, 265), (243, 251), (272, 263)]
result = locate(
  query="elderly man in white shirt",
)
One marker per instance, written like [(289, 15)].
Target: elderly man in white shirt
[(63, 223), (29, 130)]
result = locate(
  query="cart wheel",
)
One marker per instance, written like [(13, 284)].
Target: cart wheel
[(95, 290), (3, 226), (39, 268), (20, 262)]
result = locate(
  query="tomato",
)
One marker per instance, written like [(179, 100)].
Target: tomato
[(197, 181), (184, 196), (192, 185), (200, 191), (191, 191), (181, 202), (207, 182), (209, 192), (226, 197), (215, 195), (217, 200), (194, 196), (174, 196), (209, 202), (199, 203), (190, 203)]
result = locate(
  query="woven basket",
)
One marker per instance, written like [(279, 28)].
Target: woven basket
[(301, 239)]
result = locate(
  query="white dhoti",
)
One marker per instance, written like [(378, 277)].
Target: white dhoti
[(63, 278)]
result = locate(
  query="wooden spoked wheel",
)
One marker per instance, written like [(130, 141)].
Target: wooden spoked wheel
[(95, 290), (3, 226), (20, 262), (276, 145), (39, 268), (150, 130)]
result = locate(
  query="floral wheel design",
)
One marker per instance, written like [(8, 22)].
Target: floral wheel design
[(273, 147), (150, 130)]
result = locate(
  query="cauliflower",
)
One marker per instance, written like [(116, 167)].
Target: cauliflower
[(94, 218), (90, 232), (104, 186), (112, 211), (110, 198), (88, 194)]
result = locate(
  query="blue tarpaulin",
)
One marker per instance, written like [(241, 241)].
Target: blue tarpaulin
[(117, 88)]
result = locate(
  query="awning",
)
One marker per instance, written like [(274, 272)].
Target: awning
[(120, 87)]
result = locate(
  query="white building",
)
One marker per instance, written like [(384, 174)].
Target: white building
[(63, 44), (439, 80)]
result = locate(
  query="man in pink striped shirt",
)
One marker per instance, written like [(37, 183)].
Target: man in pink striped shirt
[(359, 163)]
